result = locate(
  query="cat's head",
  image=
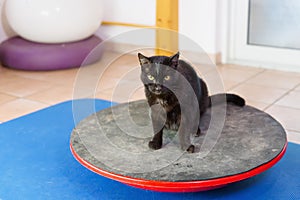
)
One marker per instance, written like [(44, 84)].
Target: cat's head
[(158, 72)]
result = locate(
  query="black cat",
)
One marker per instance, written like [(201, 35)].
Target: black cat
[(177, 97)]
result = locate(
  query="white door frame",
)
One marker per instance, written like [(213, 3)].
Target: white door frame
[(237, 51)]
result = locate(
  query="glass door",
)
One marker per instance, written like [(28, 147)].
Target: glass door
[(265, 33)]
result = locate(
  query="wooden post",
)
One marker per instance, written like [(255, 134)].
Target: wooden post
[(166, 27)]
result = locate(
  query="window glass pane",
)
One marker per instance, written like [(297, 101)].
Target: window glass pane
[(274, 23)]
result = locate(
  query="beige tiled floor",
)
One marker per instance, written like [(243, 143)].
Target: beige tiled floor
[(22, 92)]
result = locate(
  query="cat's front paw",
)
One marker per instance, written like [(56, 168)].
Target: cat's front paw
[(154, 145), (191, 149), (198, 133)]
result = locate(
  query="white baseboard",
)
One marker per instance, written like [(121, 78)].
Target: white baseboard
[(265, 65)]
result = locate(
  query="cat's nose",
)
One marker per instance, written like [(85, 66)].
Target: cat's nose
[(158, 88)]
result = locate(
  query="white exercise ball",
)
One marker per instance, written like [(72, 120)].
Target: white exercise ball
[(54, 21)]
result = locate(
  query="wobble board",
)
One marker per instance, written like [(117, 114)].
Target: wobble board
[(114, 143)]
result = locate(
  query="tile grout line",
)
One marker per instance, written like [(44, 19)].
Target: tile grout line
[(25, 98), (291, 130), (279, 98), (42, 102), (243, 82)]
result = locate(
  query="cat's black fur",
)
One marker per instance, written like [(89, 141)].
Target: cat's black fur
[(177, 97)]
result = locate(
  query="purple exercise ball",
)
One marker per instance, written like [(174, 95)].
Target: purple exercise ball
[(19, 53)]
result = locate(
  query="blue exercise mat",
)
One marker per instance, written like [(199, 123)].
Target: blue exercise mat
[(36, 163)]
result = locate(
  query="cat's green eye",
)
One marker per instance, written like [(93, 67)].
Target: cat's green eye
[(167, 78), (150, 77)]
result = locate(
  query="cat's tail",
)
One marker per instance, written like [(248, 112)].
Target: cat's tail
[(230, 98)]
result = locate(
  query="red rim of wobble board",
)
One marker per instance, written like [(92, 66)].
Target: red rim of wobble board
[(189, 186)]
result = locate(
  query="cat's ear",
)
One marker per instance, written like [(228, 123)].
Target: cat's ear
[(143, 59), (174, 60)]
